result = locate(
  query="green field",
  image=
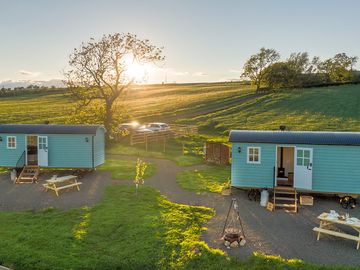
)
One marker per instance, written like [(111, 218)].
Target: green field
[(216, 108)]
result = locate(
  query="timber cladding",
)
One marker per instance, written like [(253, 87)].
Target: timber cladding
[(217, 153)]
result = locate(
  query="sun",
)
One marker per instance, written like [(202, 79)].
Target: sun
[(136, 70)]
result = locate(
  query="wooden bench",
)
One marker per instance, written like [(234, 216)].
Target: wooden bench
[(337, 234), (63, 182)]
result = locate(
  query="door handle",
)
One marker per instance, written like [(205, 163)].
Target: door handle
[(309, 167)]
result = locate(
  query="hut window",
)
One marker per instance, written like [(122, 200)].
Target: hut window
[(11, 142), (254, 155)]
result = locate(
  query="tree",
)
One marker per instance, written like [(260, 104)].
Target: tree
[(140, 170), (299, 62), (255, 67), (339, 68), (97, 72), (279, 75)]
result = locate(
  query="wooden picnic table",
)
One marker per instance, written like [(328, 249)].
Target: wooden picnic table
[(326, 223), (63, 182)]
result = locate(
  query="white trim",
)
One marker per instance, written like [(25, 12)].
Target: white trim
[(7, 142), (248, 155)]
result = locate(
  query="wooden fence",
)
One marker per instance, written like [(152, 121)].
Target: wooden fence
[(161, 136)]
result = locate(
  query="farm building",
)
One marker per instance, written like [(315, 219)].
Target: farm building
[(320, 162), (59, 146)]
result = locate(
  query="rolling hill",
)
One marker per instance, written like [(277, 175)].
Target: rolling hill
[(215, 108)]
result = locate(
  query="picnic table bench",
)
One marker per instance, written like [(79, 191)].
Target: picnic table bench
[(326, 222), (63, 182)]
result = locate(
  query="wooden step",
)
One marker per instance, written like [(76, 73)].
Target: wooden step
[(285, 198), (28, 174), (285, 192), (285, 205), (284, 189)]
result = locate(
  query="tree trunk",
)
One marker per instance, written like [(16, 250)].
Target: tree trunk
[(257, 86), (108, 120)]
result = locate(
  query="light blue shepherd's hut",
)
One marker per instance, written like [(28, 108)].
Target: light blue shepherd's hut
[(57, 146), (321, 162)]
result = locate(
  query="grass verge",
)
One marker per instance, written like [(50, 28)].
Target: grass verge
[(125, 169), (213, 179)]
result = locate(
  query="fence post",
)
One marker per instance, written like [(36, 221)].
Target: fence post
[(146, 142)]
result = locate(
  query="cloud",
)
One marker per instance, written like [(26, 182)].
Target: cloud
[(199, 74), (171, 71), (234, 70), (28, 73)]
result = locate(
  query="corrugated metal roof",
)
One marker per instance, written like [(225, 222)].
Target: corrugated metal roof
[(295, 137), (49, 129)]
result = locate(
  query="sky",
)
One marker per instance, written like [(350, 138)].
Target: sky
[(204, 41)]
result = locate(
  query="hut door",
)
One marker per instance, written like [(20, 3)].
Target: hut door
[(303, 168), (43, 151)]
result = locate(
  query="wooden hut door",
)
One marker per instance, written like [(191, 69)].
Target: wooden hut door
[(43, 158), (303, 168)]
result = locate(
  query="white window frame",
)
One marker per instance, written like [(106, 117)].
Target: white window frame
[(248, 155), (14, 142)]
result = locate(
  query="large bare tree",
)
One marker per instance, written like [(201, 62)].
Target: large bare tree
[(97, 72)]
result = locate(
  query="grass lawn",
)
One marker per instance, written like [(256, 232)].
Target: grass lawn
[(174, 151), (213, 179), (125, 169), (122, 232)]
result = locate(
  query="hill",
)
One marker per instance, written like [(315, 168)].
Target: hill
[(215, 108)]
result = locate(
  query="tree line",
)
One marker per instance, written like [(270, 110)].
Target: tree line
[(267, 72), (31, 89)]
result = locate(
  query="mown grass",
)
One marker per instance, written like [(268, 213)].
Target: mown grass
[(191, 154), (124, 231), (213, 179), (125, 169)]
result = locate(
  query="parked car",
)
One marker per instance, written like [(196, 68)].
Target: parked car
[(156, 127), (134, 127), (130, 127)]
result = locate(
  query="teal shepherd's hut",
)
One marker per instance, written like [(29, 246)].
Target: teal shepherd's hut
[(321, 162), (57, 146)]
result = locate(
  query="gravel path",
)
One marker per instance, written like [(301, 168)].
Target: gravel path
[(33, 197), (277, 233)]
